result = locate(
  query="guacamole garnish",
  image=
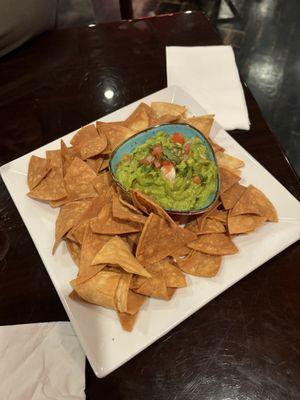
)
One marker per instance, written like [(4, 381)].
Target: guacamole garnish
[(172, 169)]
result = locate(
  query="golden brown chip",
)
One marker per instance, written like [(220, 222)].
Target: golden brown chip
[(91, 244), (127, 321), (133, 240), (104, 164), (121, 295), (219, 215), (232, 195), (78, 182), (51, 188), (154, 286), (100, 289), (102, 183), (105, 223), (54, 156), (202, 123), (254, 201), (162, 108), (92, 147), (211, 226), (68, 216), (184, 251), (148, 206), (138, 120), (159, 239), (135, 301), (166, 119), (37, 170), (172, 275), (116, 251), (201, 264), (84, 134), (94, 208), (126, 211), (229, 162), (67, 154), (95, 163), (215, 244), (244, 223), (227, 179), (115, 134), (74, 250)]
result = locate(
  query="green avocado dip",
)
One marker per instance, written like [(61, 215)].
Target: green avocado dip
[(172, 169)]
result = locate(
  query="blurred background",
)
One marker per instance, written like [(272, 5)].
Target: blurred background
[(265, 35)]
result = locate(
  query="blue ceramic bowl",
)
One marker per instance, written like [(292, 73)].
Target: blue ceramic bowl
[(139, 138)]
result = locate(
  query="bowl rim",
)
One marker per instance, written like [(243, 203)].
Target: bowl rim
[(171, 211)]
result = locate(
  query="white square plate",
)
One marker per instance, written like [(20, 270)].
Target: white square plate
[(106, 345)]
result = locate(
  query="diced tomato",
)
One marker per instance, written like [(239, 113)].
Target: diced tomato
[(187, 148), (157, 164), (157, 151), (144, 161), (166, 163), (197, 180), (177, 138)]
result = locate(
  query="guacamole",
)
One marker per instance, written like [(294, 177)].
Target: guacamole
[(172, 169)]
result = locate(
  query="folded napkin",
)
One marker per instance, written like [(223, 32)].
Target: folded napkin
[(210, 75), (41, 361)]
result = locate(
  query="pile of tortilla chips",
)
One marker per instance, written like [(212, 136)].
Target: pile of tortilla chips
[(128, 251)]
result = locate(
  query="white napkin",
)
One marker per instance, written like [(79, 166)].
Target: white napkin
[(210, 75), (41, 361)]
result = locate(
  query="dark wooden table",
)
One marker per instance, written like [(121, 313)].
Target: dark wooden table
[(245, 344)]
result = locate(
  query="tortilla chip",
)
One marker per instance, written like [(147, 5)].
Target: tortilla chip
[(201, 219), (102, 183), (115, 134), (78, 181), (172, 275), (67, 154), (91, 244), (202, 123), (219, 215), (133, 240), (160, 239), (254, 201), (54, 156), (100, 289), (51, 188), (226, 161), (154, 286), (193, 226), (232, 195), (121, 295), (200, 264), (116, 251), (126, 211), (148, 206), (68, 216), (93, 210), (105, 223), (244, 223), (227, 179), (138, 120), (135, 301), (212, 226), (215, 244), (104, 164), (95, 163), (162, 108), (37, 170), (93, 147), (216, 147), (184, 251), (84, 134), (74, 250)]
